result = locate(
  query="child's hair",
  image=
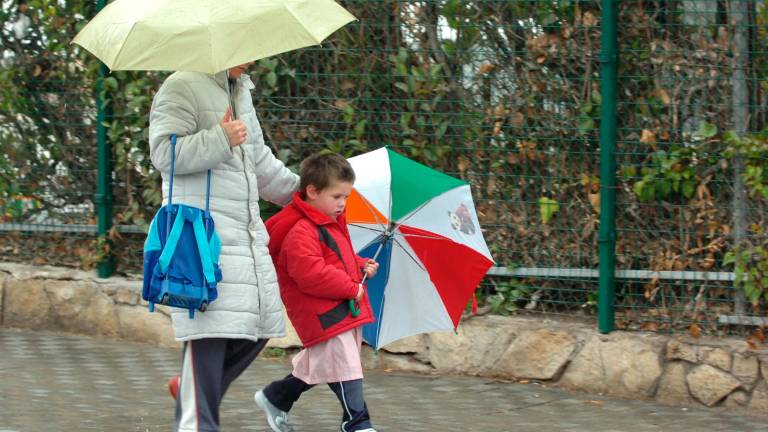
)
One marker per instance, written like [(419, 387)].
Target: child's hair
[(321, 169)]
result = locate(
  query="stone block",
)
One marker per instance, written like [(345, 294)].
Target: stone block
[(759, 401), (737, 399), (539, 354), (3, 278), (746, 368), (710, 385), (679, 350), (70, 298), (479, 344), (290, 340), (412, 344), (672, 388), (716, 357), (26, 305), (618, 364), (139, 325), (382, 360)]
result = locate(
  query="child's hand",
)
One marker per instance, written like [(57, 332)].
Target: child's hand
[(360, 291), (370, 268)]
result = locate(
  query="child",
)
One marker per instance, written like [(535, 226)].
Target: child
[(318, 273)]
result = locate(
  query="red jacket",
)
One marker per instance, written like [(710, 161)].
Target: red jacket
[(315, 283)]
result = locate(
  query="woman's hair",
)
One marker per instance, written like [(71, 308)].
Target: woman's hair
[(321, 169)]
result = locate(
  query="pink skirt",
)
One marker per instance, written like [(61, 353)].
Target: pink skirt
[(335, 360)]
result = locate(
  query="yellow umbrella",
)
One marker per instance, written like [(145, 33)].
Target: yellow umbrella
[(204, 35)]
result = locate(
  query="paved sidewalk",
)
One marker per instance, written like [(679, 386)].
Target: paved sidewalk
[(51, 382)]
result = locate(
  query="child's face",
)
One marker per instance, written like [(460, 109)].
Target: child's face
[(330, 200)]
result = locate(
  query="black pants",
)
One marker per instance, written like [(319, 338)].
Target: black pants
[(208, 367), (283, 393)]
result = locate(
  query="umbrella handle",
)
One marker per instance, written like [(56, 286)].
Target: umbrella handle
[(353, 309)]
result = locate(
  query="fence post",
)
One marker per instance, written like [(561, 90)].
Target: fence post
[(607, 232), (738, 12), (103, 198)]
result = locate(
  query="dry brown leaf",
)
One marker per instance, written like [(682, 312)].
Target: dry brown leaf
[(518, 119), (648, 137), (594, 199), (486, 68), (491, 185), (589, 19), (464, 163), (497, 128), (500, 111), (663, 95), (695, 330), (340, 104)]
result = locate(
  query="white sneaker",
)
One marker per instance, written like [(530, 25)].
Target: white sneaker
[(366, 430), (277, 419)]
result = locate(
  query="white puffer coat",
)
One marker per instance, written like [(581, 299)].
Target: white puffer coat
[(191, 105)]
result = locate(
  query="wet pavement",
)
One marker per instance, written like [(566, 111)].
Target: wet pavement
[(51, 382)]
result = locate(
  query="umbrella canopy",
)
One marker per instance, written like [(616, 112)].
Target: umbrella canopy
[(203, 35), (424, 227)]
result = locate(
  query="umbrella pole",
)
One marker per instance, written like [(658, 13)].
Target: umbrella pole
[(384, 239), (229, 94)]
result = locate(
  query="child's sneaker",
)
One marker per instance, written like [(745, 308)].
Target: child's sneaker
[(277, 419), (173, 386)]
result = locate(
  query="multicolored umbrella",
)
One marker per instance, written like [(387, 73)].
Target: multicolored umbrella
[(422, 227)]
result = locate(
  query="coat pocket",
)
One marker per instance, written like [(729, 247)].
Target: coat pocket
[(334, 316)]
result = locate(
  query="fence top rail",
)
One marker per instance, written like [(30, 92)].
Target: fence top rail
[(587, 273), (528, 272), (66, 228)]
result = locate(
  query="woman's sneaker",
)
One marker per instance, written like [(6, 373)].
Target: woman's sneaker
[(277, 419)]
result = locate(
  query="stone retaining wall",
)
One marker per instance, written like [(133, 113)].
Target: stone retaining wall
[(674, 370)]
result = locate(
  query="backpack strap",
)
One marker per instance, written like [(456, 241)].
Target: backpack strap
[(170, 181), (327, 239), (172, 241), (204, 248)]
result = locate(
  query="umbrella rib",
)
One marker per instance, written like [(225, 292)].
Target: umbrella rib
[(422, 236), (373, 212), (409, 254), (416, 210), (120, 51), (424, 204), (366, 228)]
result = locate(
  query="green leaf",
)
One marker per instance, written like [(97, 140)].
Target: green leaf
[(360, 128), (586, 124), (402, 86), (547, 208), (271, 79), (689, 189), (706, 131)]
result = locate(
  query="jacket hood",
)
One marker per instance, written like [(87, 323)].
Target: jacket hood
[(279, 224), (244, 79)]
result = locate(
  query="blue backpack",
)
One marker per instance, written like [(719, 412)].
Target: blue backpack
[(181, 254)]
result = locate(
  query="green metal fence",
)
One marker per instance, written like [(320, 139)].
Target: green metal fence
[(615, 149)]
